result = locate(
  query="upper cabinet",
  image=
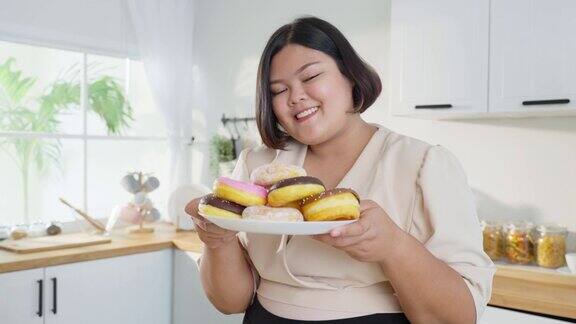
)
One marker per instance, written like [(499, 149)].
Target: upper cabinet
[(439, 56), (532, 55), (482, 58)]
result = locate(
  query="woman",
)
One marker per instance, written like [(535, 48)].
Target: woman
[(414, 255)]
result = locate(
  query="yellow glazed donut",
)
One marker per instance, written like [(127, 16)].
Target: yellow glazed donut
[(268, 174), (294, 204), (242, 193), (211, 205), (293, 189), (331, 205)]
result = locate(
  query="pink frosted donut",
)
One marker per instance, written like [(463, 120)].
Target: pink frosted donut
[(243, 193)]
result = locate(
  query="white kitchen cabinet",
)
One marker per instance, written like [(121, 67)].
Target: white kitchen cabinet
[(127, 289), (495, 315), (439, 56), (190, 303), (20, 294), (532, 55)]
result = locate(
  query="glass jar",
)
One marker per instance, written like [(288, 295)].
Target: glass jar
[(518, 243), (37, 229), (4, 232), (19, 231), (550, 245), (492, 239)]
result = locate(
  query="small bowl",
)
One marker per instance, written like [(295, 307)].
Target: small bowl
[(571, 262)]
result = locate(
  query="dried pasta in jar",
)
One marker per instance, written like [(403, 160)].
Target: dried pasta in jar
[(519, 243), (492, 239), (550, 246)]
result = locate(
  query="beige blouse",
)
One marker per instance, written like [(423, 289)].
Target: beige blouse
[(424, 190)]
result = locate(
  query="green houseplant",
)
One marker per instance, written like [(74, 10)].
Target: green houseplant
[(105, 97), (222, 157)]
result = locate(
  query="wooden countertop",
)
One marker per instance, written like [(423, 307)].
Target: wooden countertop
[(528, 288), (164, 237)]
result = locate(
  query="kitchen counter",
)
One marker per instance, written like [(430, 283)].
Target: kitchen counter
[(165, 236), (526, 288), (535, 289)]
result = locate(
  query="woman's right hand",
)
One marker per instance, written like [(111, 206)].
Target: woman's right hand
[(211, 234)]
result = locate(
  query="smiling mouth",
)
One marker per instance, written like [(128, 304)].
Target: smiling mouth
[(306, 113)]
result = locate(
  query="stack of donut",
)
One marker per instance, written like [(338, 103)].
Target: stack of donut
[(280, 192)]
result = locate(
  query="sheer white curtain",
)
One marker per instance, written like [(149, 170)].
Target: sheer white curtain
[(70, 25), (164, 31)]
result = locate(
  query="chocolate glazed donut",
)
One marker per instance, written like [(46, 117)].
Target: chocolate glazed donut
[(293, 189), (214, 206)]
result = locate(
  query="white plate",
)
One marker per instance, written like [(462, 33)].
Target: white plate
[(178, 200), (273, 227)]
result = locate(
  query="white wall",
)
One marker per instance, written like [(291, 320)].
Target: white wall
[(518, 168)]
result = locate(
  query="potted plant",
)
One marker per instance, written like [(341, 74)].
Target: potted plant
[(222, 156)]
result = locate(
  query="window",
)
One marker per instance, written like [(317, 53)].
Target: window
[(54, 143)]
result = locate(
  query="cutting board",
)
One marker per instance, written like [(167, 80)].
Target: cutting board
[(49, 243)]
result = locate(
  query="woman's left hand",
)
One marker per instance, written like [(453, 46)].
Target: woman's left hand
[(370, 239)]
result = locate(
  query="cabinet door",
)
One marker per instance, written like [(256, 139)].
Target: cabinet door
[(127, 289), (532, 55), (439, 56), (20, 297), (190, 302)]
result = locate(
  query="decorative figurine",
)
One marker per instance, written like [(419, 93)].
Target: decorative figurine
[(53, 229), (140, 209)]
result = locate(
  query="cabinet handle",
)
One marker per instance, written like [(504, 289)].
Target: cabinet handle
[(40, 297), (545, 102), (54, 295), (443, 106)]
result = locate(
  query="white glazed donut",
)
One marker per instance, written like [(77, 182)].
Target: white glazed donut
[(268, 174), (266, 213)]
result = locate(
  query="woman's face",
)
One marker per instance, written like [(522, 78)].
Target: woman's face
[(311, 98)]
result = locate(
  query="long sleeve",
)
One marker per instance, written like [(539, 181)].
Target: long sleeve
[(450, 220)]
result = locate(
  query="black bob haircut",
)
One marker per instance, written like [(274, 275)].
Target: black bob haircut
[(322, 36)]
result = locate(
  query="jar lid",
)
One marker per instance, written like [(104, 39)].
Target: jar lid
[(551, 228), (519, 225), (490, 223)]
